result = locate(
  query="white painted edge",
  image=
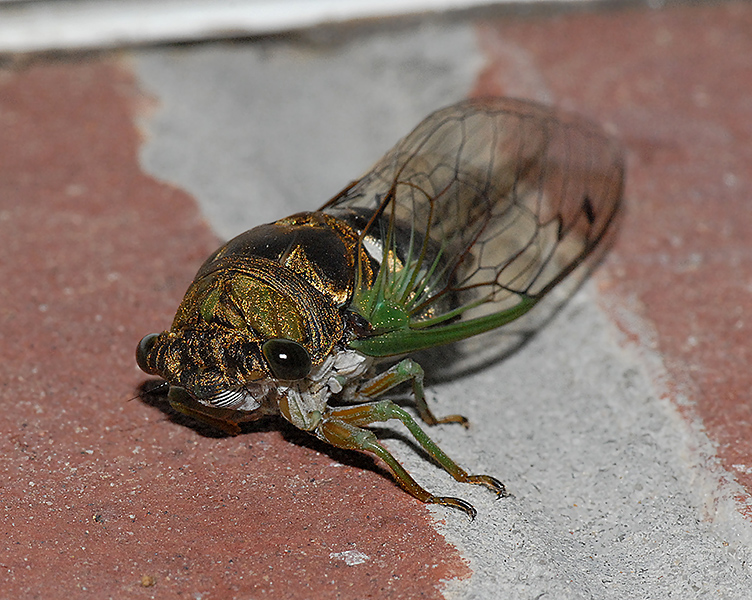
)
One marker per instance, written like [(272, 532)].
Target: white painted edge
[(89, 24)]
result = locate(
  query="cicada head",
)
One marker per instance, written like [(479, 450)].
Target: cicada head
[(245, 325)]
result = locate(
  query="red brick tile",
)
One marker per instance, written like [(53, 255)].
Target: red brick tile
[(111, 496)]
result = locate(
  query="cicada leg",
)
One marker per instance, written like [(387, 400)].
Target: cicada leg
[(342, 427), (407, 370)]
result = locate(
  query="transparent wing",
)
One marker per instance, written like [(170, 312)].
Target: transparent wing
[(476, 215)]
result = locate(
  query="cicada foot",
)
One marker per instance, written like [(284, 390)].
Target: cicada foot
[(408, 370), (343, 427), (458, 503), (430, 419), (493, 484)]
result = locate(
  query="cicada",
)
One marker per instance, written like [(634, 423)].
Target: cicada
[(459, 229)]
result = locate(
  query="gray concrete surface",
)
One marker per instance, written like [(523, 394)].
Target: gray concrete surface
[(610, 485), (259, 131)]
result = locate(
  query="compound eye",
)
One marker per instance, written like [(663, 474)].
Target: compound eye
[(287, 359), (142, 352)]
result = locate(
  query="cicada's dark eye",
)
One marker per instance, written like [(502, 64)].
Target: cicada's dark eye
[(142, 351), (287, 359)]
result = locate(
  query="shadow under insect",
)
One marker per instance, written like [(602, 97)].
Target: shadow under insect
[(154, 393)]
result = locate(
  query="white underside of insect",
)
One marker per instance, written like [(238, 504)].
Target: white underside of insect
[(307, 399)]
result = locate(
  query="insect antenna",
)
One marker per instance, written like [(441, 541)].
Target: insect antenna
[(149, 388)]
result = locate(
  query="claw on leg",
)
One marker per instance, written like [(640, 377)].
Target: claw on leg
[(493, 484)]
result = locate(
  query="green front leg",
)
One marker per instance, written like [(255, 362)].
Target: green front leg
[(342, 427), (407, 370)]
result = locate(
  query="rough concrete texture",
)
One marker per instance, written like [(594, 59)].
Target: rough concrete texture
[(284, 126), (621, 427)]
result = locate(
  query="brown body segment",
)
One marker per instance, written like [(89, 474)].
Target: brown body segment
[(292, 279)]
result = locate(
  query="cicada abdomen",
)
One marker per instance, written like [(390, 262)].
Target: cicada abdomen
[(462, 227)]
